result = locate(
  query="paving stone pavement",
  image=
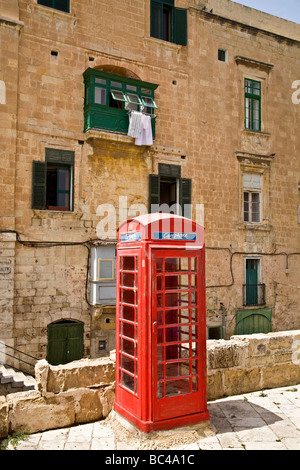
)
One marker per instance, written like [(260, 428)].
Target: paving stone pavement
[(268, 420)]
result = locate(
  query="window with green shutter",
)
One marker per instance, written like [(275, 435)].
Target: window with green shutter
[(170, 193), (53, 181), (168, 22), (62, 5), (252, 105)]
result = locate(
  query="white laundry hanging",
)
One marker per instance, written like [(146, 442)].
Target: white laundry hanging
[(135, 121), (145, 132)]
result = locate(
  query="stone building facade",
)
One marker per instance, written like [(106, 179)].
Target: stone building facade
[(219, 84)]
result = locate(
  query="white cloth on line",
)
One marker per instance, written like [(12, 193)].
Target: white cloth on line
[(135, 121), (145, 132)]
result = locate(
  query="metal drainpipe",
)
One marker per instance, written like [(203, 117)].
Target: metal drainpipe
[(223, 312)]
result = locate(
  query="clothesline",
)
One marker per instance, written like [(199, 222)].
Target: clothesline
[(153, 116)]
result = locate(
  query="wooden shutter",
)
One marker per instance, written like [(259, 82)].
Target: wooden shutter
[(186, 197), (39, 185), (180, 26), (60, 156), (170, 171), (156, 20), (62, 5), (154, 192), (46, 3)]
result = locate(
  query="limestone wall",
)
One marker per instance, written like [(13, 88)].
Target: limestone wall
[(83, 391), (255, 362)]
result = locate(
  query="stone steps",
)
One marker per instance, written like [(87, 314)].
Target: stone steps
[(16, 380)]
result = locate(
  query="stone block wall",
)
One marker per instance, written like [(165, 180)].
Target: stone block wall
[(83, 391), (255, 362), (79, 392)]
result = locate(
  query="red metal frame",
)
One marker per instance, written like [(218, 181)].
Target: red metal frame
[(161, 322)]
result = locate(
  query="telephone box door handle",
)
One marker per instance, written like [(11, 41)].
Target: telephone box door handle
[(154, 327)]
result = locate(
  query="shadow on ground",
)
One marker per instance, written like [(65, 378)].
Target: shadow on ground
[(240, 414)]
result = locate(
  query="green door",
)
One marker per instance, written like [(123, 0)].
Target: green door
[(65, 342), (252, 281), (253, 321)]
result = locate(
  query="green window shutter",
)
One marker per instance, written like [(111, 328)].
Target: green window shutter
[(154, 192), (186, 197), (60, 156), (156, 20), (39, 185), (172, 171), (180, 26), (62, 5)]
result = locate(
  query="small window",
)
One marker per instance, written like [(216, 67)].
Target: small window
[(214, 332), (118, 95), (168, 192), (134, 99), (148, 102), (222, 55), (100, 95), (58, 187), (106, 269), (103, 275), (252, 197), (252, 105), (53, 181), (62, 5)]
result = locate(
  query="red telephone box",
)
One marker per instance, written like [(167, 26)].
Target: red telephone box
[(161, 322)]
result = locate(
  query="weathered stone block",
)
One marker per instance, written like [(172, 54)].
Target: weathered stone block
[(214, 386), (30, 412), (77, 374), (257, 343), (3, 417), (88, 406), (241, 381), (279, 341), (280, 375), (107, 399), (223, 354)]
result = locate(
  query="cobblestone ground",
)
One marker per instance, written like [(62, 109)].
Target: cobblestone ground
[(268, 420)]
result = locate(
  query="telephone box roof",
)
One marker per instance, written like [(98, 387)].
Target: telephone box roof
[(161, 228), (147, 219)]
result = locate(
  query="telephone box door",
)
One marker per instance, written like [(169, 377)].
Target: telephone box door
[(178, 334), (128, 332)]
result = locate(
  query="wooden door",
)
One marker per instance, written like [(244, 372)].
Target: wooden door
[(65, 342)]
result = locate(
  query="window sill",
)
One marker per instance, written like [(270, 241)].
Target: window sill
[(52, 12), (261, 227), (254, 307), (100, 134), (256, 133), (161, 42), (56, 214)]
